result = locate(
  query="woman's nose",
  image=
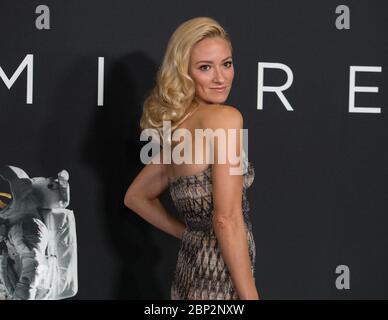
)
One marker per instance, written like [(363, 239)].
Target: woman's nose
[(218, 76)]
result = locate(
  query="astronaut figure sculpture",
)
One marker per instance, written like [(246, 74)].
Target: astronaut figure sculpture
[(38, 247)]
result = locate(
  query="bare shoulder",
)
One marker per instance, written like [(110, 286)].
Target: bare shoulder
[(221, 115)]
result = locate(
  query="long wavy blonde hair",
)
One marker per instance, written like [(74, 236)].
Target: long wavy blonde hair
[(174, 92)]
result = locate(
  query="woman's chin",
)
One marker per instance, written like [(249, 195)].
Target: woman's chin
[(216, 101)]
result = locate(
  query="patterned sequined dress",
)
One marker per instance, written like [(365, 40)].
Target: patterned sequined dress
[(201, 273)]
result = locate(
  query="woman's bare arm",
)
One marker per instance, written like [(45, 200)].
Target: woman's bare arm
[(228, 219), (142, 198)]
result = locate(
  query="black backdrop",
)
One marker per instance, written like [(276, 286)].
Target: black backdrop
[(319, 199)]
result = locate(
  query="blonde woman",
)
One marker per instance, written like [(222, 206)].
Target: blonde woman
[(217, 254)]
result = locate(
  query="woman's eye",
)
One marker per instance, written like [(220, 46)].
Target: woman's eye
[(204, 67)]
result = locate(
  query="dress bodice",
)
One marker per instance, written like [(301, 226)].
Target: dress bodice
[(192, 197)]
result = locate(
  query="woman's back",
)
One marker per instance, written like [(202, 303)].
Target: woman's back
[(198, 120)]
